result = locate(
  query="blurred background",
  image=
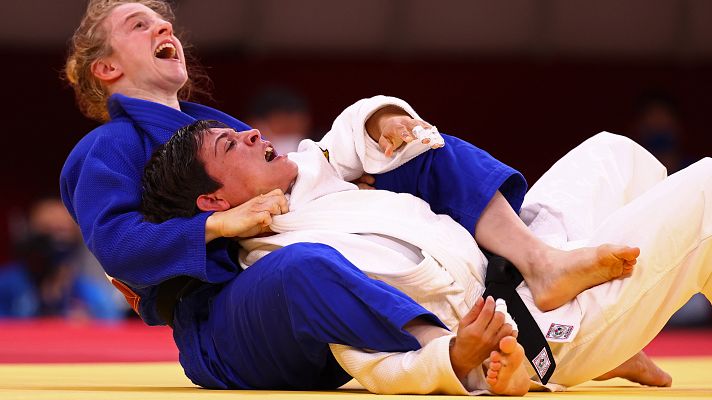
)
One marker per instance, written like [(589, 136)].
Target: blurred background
[(525, 79)]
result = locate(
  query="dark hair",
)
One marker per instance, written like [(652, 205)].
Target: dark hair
[(174, 177)]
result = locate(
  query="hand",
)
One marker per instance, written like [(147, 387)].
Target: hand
[(391, 126), (248, 219), (478, 335), (365, 182)]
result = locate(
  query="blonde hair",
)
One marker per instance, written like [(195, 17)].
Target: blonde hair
[(90, 43)]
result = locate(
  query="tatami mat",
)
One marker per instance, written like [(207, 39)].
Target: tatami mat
[(155, 381)]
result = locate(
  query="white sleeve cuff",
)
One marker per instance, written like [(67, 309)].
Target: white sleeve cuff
[(425, 371)]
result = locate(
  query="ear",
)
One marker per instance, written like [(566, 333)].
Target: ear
[(105, 70), (211, 202)]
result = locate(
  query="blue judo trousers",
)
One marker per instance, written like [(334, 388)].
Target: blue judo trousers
[(270, 327)]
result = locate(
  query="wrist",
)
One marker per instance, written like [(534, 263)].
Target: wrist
[(213, 227), (459, 366)]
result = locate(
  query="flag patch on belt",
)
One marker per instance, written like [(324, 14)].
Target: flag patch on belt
[(559, 332), (542, 362)]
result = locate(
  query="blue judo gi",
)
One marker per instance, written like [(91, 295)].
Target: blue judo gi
[(269, 326)]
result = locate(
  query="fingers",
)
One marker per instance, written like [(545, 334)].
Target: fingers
[(399, 130), (406, 133), (411, 123), (483, 320), (275, 202), (473, 313), (367, 179), (252, 217), (387, 146), (504, 331), (496, 324), (364, 186), (365, 182)]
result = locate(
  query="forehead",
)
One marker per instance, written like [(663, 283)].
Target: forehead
[(124, 11)]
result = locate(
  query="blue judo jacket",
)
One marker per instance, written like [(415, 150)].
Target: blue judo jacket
[(100, 185), (101, 188)]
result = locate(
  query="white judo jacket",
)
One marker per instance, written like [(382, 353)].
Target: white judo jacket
[(394, 238)]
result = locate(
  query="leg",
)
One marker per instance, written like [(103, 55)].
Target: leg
[(554, 276), (584, 187), (567, 204), (465, 183), (271, 326), (672, 224)]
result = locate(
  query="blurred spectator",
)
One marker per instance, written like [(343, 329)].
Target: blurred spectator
[(282, 117), (658, 128), (54, 273)]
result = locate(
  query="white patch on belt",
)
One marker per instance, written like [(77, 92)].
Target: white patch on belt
[(542, 362), (559, 331)]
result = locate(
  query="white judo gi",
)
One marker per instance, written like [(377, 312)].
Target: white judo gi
[(607, 190)]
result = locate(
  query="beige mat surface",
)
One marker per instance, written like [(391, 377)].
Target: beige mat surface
[(692, 378)]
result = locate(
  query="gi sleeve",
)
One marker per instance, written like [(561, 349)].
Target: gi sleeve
[(351, 151), (424, 371), (458, 180), (101, 187)]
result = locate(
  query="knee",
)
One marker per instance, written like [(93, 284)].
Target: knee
[(310, 260), (702, 168), (612, 139), (706, 163)]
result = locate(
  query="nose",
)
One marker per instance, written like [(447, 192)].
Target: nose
[(164, 28), (251, 137)]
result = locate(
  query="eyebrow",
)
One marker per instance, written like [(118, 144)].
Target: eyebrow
[(134, 14), (215, 146)]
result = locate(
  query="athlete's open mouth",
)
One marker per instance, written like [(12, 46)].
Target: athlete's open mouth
[(166, 51), (270, 153)]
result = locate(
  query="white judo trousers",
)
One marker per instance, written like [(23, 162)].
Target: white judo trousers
[(610, 190), (606, 190)]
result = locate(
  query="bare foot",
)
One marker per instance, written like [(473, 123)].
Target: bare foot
[(639, 369), (506, 374), (565, 274)]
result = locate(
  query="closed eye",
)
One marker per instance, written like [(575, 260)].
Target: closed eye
[(139, 25), (230, 145)]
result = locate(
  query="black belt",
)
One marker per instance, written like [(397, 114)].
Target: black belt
[(500, 283), (170, 292)]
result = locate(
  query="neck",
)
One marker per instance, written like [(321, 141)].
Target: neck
[(167, 99)]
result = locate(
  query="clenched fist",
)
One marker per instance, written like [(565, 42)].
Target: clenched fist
[(248, 219), (391, 126)]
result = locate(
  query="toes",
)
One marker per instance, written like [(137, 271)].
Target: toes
[(495, 366), (492, 374), (508, 344), (491, 381), (495, 356)]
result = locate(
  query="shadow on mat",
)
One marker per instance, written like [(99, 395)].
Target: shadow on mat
[(159, 389)]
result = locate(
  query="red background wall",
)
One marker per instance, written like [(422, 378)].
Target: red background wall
[(527, 112)]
